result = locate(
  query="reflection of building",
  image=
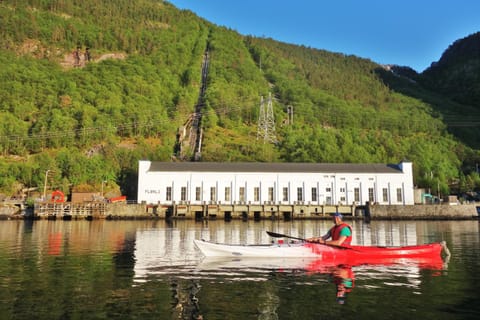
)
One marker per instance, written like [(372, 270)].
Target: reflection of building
[(274, 183), (165, 248), (169, 252)]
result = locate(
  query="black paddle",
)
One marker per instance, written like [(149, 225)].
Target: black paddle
[(279, 235)]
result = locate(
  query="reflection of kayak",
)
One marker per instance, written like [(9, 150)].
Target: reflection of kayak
[(329, 255), (399, 272), (259, 264), (315, 265)]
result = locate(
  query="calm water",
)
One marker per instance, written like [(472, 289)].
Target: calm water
[(151, 270)]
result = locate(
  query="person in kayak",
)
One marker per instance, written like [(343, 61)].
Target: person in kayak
[(341, 233)]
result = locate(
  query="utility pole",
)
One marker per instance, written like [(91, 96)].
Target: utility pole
[(290, 115), (45, 185), (261, 121), (103, 183), (266, 122), (438, 188)]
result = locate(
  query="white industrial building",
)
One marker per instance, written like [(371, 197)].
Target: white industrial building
[(275, 183)]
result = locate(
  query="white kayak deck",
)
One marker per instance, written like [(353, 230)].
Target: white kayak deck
[(277, 250)]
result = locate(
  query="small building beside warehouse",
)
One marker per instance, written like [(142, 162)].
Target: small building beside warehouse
[(275, 183), (80, 197)]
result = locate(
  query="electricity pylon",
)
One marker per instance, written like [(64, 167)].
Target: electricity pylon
[(266, 122)]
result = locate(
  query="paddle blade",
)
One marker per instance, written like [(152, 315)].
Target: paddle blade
[(279, 235), (275, 235)]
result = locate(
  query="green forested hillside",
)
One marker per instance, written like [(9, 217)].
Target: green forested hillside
[(93, 122)]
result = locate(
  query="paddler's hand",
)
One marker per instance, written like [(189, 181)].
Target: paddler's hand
[(316, 240)]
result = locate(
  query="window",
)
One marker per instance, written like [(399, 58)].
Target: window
[(328, 200), (270, 194), (198, 194), (356, 194), (256, 194), (183, 193), (314, 194), (385, 194), (213, 194), (399, 195), (370, 195), (299, 194), (328, 189), (342, 199), (285, 194), (241, 194), (342, 190), (169, 194), (227, 194)]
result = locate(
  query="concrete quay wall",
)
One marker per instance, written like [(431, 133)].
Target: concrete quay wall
[(426, 212), (101, 210), (224, 211), (298, 211)]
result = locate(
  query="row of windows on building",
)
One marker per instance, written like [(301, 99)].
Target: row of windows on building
[(285, 195)]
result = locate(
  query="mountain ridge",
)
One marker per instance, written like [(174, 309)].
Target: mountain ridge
[(345, 108), (457, 71)]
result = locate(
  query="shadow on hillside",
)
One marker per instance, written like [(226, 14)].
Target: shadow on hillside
[(457, 117)]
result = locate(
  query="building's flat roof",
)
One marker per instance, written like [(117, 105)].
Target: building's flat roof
[(157, 166)]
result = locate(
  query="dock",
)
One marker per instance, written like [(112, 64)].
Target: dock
[(70, 211)]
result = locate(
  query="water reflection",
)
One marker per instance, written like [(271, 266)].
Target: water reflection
[(406, 272), (124, 269), (344, 279), (185, 301)]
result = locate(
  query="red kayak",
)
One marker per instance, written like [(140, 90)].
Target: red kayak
[(358, 255), (329, 254)]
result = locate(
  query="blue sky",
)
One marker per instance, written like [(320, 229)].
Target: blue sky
[(411, 33)]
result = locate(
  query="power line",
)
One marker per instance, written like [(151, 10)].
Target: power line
[(77, 132), (383, 122)]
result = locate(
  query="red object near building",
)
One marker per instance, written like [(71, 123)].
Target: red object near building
[(118, 199), (57, 196)]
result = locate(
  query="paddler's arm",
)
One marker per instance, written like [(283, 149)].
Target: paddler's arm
[(320, 239), (337, 242)]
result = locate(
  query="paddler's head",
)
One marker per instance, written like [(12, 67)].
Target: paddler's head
[(337, 217)]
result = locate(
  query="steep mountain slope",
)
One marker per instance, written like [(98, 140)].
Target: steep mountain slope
[(457, 73), (94, 120)]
